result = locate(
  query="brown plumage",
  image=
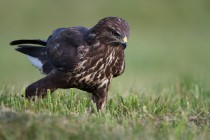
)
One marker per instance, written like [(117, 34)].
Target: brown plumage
[(78, 57)]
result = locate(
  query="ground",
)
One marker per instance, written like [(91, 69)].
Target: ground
[(163, 94), (178, 111)]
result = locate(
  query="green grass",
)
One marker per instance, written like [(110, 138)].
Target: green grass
[(177, 111), (163, 94)]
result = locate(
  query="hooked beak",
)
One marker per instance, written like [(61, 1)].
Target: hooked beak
[(125, 39), (124, 42)]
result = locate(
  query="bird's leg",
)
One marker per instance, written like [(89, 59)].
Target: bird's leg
[(40, 87), (100, 98)]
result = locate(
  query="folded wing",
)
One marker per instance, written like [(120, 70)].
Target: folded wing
[(62, 47)]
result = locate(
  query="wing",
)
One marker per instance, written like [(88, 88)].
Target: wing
[(62, 47)]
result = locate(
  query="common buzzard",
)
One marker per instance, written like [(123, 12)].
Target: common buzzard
[(78, 57)]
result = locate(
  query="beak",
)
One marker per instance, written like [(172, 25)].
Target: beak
[(124, 45), (125, 39), (124, 42)]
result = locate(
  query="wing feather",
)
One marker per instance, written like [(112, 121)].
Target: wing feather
[(62, 47)]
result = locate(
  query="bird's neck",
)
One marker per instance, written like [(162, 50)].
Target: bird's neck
[(91, 37), (94, 37)]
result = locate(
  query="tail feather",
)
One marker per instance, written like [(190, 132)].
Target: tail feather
[(37, 56), (34, 51), (32, 41)]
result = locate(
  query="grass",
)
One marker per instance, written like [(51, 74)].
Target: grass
[(178, 111), (163, 94)]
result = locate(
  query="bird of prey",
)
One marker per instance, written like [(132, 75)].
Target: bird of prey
[(78, 57)]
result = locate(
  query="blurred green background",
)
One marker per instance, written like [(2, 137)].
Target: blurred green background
[(168, 39)]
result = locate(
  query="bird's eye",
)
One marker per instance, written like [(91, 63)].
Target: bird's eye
[(115, 33)]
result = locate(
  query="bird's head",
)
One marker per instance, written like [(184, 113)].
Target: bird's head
[(112, 30)]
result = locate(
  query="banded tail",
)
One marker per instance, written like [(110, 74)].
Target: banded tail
[(37, 55)]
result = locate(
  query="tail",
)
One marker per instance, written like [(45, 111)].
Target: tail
[(37, 55), (34, 51), (24, 41)]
